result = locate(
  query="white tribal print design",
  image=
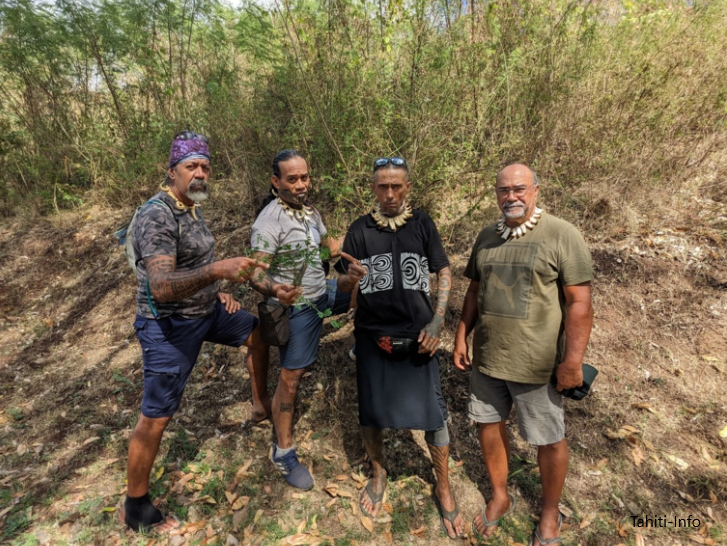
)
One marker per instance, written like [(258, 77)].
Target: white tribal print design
[(414, 273)]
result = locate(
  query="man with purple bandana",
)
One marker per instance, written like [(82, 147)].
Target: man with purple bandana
[(179, 306)]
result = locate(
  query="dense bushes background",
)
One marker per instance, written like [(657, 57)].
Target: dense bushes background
[(608, 100)]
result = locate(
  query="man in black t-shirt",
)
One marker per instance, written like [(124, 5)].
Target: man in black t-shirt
[(392, 251)]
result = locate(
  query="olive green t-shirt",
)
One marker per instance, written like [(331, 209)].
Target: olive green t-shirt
[(519, 334)]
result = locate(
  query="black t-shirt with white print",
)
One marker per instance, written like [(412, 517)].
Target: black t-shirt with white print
[(393, 299)]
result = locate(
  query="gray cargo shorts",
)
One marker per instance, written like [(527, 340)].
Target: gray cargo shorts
[(539, 407)]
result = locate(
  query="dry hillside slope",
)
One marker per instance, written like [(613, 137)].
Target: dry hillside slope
[(646, 442)]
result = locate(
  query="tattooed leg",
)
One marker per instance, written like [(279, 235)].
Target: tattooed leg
[(440, 460), (284, 404)]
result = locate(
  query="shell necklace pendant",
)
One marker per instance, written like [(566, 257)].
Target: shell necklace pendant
[(177, 203), (515, 233), (391, 222), (301, 214)]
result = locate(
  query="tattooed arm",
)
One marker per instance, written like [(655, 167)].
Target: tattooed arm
[(267, 286), (167, 284), (429, 336)]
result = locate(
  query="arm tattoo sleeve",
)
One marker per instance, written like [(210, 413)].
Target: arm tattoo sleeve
[(167, 284), (263, 282), (444, 287)]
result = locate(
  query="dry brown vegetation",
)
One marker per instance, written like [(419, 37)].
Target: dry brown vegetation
[(620, 107)]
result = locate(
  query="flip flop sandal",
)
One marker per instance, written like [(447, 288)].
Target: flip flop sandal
[(449, 515), (495, 522), (375, 498), (547, 541)]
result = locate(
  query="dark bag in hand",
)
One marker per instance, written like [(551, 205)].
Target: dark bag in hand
[(397, 346), (579, 393), (274, 322)]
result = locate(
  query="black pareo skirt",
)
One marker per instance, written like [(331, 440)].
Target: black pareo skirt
[(402, 392)]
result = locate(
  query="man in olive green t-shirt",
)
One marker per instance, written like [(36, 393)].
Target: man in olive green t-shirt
[(529, 304)]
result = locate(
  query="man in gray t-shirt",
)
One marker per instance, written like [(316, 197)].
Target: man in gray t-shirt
[(179, 306), (289, 235)]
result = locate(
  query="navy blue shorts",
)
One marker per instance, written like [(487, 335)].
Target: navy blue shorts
[(170, 347), (306, 327)]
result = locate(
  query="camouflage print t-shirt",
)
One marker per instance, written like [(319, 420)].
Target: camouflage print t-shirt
[(157, 233)]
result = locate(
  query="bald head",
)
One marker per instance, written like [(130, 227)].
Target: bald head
[(517, 171), (517, 193)]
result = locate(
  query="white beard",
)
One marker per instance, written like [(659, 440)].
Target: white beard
[(198, 196)]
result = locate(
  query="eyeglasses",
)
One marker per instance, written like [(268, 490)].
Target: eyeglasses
[(395, 161), (191, 135), (517, 191)]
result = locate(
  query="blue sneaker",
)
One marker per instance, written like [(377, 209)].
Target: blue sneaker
[(289, 466)]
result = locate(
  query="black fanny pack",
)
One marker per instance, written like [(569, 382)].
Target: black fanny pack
[(397, 346)]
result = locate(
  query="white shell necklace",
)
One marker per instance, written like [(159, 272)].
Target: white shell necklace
[(391, 222), (515, 233), (301, 214)]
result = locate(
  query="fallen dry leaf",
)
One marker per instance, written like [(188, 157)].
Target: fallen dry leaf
[(419, 532), (331, 502), (586, 521), (644, 406), (713, 497), (331, 489), (367, 523), (639, 540), (301, 525), (342, 477), (637, 455), (677, 461), (240, 502)]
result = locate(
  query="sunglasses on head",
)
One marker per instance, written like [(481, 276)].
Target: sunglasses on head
[(191, 135), (395, 161)]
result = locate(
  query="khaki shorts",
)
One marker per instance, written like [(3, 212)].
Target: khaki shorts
[(539, 407)]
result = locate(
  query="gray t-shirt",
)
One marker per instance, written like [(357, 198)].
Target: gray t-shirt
[(157, 231), (519, 335), (291, 242)]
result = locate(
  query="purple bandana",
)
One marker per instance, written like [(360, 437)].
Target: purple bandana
[(183, 150)]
